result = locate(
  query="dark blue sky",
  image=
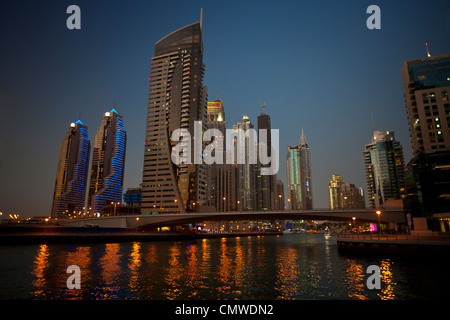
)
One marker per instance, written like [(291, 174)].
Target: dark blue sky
[(316, 66)]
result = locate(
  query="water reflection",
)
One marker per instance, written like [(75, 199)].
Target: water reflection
[(174, 272), (287, 284), (110, 270), (387, 283), (134, 262), (40, 266), (356, 285), (228, 268)]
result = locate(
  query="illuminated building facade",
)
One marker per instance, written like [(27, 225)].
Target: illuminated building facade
[(108, 163), (177, 98), (299, 176), (384, 166), (71, 176), (344, 195)]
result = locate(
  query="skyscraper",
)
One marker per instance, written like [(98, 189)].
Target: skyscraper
[(176, 99), (265, 183), (426, 84), (299, 176), (384, 165), (71, 176), (108, 162), (247, 195), (306, 158), (219, 196)]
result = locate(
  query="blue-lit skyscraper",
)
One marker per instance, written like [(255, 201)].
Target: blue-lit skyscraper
[(71, 176), (108, 163)]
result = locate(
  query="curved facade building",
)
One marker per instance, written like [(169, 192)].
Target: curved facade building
[(108, 162), (71, 176), (176, 99)]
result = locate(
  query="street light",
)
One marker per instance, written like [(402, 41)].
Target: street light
[(379, 223)]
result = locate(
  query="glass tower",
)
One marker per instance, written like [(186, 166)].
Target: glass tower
[(71, 175), (385, 168), (108, 162), (299, 176), (177, 98)]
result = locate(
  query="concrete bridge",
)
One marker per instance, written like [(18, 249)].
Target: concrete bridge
[(393, 216)]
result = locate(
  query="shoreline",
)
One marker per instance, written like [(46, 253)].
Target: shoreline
[(61, 235)]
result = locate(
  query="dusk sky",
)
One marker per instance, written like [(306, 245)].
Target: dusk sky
[(315, 64)]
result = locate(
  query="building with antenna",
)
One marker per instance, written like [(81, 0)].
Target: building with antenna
[(265, 184), (71, 175), (426, 83), (299, 176)]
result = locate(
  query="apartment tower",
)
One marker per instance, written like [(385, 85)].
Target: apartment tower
[(177, 98), (71, 174)]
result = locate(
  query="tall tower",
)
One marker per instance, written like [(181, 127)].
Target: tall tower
[(306, 158), (426, 83), (385, 173), (108, 162), (299, 176), (176, 99), (247, 195), (265, 183), (218, 184), (71, 176)]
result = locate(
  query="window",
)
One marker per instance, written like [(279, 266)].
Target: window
[(425, 98), (435, 110), (444, 96)]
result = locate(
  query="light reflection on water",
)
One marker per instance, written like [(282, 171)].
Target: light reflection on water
[(302, 266)]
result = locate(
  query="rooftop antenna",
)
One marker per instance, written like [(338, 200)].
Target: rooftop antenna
[(373, 122), (428, 53), (201, 19), (262, 108)]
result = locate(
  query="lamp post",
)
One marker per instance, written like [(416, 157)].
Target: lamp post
[(354, 223), (379, 223)]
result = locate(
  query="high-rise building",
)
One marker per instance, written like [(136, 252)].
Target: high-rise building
[(69, 196), (247, 195), (299, 176), (219, 184), (108, 163), (335, 192), (177, 98), (264, 183), (344, 195), (426, 84), (306, 158), (279, 195), (384, 166)]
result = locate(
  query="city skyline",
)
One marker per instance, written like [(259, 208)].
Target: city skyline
[(337, 121)]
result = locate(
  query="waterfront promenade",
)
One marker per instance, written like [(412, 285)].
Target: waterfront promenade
[(394, 243)]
